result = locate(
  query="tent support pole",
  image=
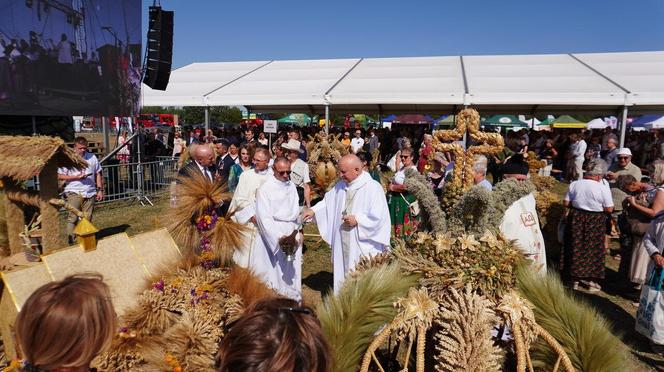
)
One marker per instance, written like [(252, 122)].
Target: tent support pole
[(380, 116), (327, 119), (623, 127), (104, 130), (207, 121)]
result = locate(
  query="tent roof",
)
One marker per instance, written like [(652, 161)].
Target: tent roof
[(413, 119), (553, 83), (504, 121), (597, 123), (646, 119), (566, 121), (295, 119)]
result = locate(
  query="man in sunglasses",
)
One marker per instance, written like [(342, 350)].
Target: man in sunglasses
[(277, 216)]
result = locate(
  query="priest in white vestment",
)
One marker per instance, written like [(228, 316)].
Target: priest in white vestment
[(520, 222), (277, 215), (244, 201), (352, 218)]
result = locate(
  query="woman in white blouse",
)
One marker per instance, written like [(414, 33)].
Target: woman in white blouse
[(178, 145), (589, 204)]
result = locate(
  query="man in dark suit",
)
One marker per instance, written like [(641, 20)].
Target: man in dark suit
[(203, 163), (224, 160)]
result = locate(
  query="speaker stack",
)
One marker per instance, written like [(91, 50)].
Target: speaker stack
[(160, 48)]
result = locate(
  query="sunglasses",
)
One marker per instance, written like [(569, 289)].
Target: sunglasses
[(284, 173), (623, 157), (404, 156)]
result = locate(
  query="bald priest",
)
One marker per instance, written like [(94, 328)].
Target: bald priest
[(352, 218)]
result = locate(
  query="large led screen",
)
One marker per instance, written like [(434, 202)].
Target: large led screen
[(70, 57)]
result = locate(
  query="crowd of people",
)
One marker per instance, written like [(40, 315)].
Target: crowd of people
[(609, 196), (28, 68), (273, 197)]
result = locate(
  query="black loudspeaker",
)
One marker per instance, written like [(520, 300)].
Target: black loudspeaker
[(160, 48)]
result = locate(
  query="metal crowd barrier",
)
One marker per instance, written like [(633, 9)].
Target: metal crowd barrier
[(122, 181)]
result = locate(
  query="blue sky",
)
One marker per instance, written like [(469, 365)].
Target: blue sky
[(207, 30)]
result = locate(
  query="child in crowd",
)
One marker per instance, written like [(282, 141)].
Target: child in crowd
[(276, 335), (65, 324)]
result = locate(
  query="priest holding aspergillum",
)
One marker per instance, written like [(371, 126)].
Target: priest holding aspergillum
[(352, 218)]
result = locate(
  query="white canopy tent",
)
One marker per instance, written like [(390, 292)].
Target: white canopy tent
[(597, 123), (655, 124), (602, 83), (532, 122)]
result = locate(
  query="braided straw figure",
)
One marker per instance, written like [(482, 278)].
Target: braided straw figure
[(464, 340), (447, 141), (518, 315), (324, 151), (418, 185), (415, 317)]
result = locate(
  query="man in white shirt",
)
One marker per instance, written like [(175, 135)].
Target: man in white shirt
[(244, 200), (277, 216), (578, 153), (82, 188), (299, 170), (357, 143)]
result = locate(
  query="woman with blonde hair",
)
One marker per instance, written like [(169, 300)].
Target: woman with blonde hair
[(179, 145), (65, 324)]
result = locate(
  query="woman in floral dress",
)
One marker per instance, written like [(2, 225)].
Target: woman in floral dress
[(404, 223)]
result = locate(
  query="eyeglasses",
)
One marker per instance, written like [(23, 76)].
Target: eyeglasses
[(623, 157), (404, 156), (284, 173)]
